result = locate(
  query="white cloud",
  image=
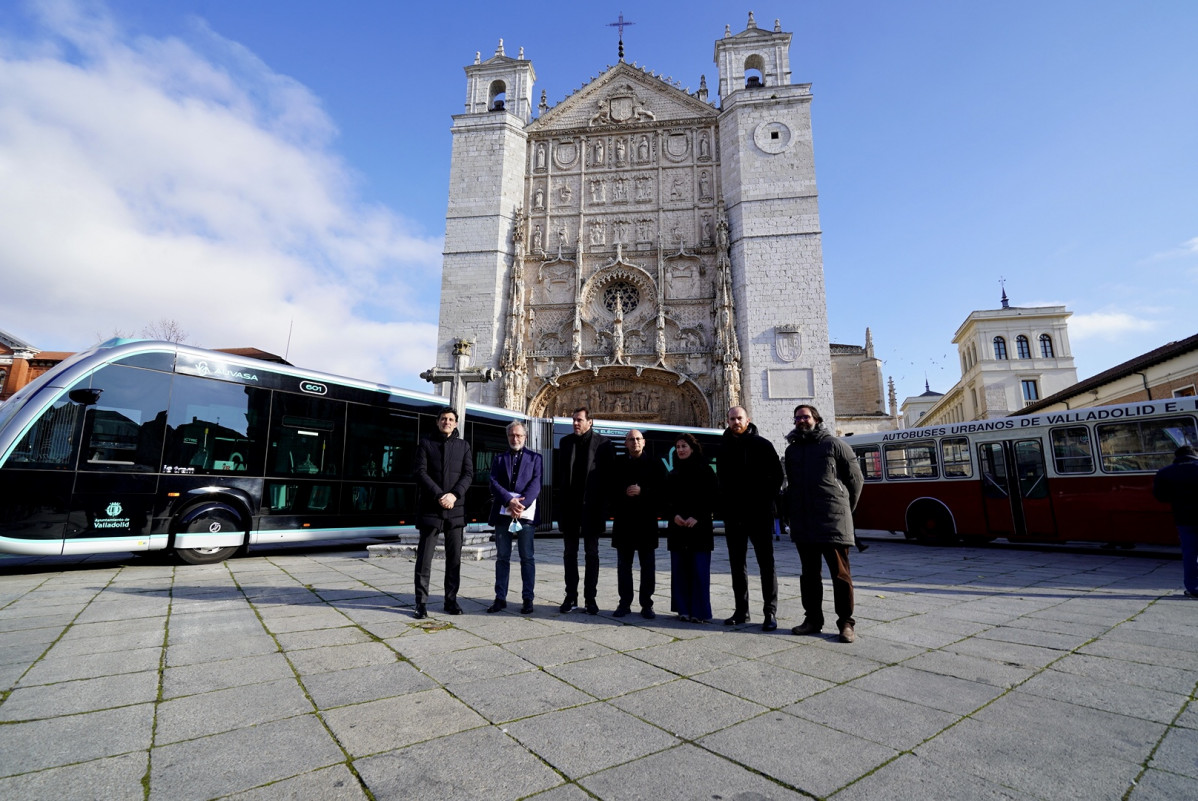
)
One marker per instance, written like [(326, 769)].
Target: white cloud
[(159, 178), (1106, 325)]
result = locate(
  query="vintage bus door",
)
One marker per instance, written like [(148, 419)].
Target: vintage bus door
[(1015, 494)]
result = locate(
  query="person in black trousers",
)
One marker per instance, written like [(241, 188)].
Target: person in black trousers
[(637, 483), (581, 475), (444, 470)]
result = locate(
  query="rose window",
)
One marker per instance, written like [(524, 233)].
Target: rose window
[(623, 294)]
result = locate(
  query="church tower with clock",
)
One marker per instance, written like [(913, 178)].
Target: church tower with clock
[(643, 250)]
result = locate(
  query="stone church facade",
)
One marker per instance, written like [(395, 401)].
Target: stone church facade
[(637, 248)]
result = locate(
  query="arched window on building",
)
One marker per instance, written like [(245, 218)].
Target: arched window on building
[(1046, 346), (498, 95), (754, 72), (1000, 348), (1022, 347)]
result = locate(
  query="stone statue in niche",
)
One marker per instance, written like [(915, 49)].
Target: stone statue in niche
[(704, 146), (565, 192), (540, 162), (644, 187), (598, 162), (538, 199), (563, 237), (642, 149), (537, 240), (620, 231), (597, 193), (596, 233), (706, 227), (619, 189), (678, 189), (644, 230), (621, 151), (704, 185)]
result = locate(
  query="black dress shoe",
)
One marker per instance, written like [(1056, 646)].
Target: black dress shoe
[(770, 623), (737, 619), (452, 608), (647, 613), (567, 605), (526, 608), (592, 608), (421, 612), (498, 606), (621, 611)]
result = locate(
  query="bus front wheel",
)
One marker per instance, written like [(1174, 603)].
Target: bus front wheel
[(210, 520), (931, 525)]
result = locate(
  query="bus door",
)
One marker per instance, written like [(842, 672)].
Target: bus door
[(1015, 489)]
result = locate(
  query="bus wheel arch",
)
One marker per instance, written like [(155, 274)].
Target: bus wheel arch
[(931, 522), (210, 515)]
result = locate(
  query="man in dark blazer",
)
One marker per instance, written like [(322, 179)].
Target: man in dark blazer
[(515, 485), (637, 485), (444, 470), (580, 474)]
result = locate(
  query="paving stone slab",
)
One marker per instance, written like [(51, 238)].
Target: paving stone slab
[(483, 764), (934, 690), (1178, 752), (519, 695), (683, 773), (473, 664), (687, 708), (328, 784), (315, 618), (830, 759), (892, 722), (391, 723), (341, 657), (763, 683), (557, 649), (579, 741), (686, 657), (1112, 696), (219, 647), (49, 743), (87, 666), (1009, 653), (236, 672), (83, 695), (1145, 654), (627, 638), (611, 676), (835, 665), (151, 635), (321, 638), (223, 764), (971, 668), (224, 710), (910, 778), (422, 642), (357, 685), (1159, 785), (113, 779)]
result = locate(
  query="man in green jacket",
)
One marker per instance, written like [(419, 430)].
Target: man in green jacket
[(823, 485)]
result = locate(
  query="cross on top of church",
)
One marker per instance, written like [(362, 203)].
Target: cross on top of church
[(620, 24)]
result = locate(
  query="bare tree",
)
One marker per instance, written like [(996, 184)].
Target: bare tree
[(166, 329)]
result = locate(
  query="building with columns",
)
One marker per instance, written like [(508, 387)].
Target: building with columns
[(647, 251)]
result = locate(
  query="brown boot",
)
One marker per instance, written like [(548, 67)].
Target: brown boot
[(847, 634)]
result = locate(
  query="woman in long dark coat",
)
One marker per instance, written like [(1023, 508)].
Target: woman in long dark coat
[(690, 495)]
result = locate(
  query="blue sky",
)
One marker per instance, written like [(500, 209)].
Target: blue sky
[(269, 169)]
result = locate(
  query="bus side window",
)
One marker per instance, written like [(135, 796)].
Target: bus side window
[(306, 436), (1143, 445), (870, 462), (912, 460), (216, 427), (124, 429), (954, 453), (1071, 451)]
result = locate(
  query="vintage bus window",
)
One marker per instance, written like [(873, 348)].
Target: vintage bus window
[(305, 436), (870, 462), (216, 427), (380, 444), (912, 460), (1143, 444), (50, 441), (1029, 466), (954, 452), (123, 429), (1071, 452)]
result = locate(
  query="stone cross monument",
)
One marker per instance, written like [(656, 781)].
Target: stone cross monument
[(459, 376)]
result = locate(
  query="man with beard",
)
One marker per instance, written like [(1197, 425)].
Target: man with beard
[(583, 460), (823, 485), (750, 477), (637, 484), (444, 470)]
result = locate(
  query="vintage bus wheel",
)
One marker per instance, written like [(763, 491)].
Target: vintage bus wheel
[(217, 519), (931, 524)]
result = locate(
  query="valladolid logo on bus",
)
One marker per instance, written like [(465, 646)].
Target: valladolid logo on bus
[(114, 519)]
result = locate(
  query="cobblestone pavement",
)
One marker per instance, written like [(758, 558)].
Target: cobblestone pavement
[(977, 674)]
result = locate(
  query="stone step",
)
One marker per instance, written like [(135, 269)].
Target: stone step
[(476, 545)]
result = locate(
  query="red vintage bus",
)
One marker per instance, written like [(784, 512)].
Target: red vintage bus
[(1082, 474)]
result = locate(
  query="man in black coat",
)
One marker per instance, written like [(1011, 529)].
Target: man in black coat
[(750, 476), (1177, 484), (638, 481), (444, 470), (581, 472)]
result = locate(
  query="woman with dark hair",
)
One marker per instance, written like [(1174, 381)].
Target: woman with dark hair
[(690, 496)]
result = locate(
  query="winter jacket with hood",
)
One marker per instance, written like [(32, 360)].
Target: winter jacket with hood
[(823, 484)]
